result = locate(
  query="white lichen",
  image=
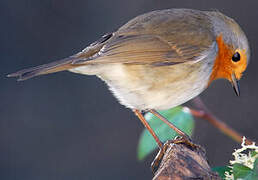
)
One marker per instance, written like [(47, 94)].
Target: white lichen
[(242, 156)]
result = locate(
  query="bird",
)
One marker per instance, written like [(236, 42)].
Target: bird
[(160, 59)]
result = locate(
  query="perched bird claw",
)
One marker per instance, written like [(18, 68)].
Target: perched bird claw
[(186, 140)]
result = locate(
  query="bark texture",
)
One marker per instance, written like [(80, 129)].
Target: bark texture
[(182, 162)]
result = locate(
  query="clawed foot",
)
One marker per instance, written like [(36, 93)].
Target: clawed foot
[(178, 140), (157, 160), (185, 140)]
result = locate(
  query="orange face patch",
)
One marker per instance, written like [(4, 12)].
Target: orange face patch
[(239, 67), (224, 66)]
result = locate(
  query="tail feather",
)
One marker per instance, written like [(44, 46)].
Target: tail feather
[(88, 54), (52, 67)]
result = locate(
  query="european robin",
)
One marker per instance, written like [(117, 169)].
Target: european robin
[(161, 59)]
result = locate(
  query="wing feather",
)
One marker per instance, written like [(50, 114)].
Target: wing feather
[(161, 37)]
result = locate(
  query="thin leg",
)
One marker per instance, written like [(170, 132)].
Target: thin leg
[(162, 118), (146, 124), (184, 139)]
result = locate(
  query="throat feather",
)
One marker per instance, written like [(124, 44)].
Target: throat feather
[(222, 65)]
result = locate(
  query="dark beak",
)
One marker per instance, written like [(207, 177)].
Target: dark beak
[(235, 84)]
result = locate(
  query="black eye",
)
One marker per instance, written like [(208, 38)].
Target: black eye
[(236, 57)]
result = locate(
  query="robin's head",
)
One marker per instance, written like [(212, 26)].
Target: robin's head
[(233, 50)]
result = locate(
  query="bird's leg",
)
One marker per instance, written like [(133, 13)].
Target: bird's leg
[(162, 149), (178, 140), (184, 139), (146, 124)]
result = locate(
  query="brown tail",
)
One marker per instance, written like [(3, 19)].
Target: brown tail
[(89, 53), (52, 67)]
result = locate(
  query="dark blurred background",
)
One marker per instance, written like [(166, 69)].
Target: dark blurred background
[(69, 126)]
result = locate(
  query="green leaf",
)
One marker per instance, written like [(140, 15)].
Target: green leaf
[(255, 170), (221, 170), (178, 116), (253, 153), (242, 172)]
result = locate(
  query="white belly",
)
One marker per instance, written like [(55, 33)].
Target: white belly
[(138, 87)]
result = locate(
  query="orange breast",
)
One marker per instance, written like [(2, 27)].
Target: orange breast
[(222, 67)]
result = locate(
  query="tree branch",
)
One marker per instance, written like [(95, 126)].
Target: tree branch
[(206, 114), (181, 162)]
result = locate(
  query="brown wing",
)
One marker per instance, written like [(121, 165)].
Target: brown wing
[(160, 38)]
